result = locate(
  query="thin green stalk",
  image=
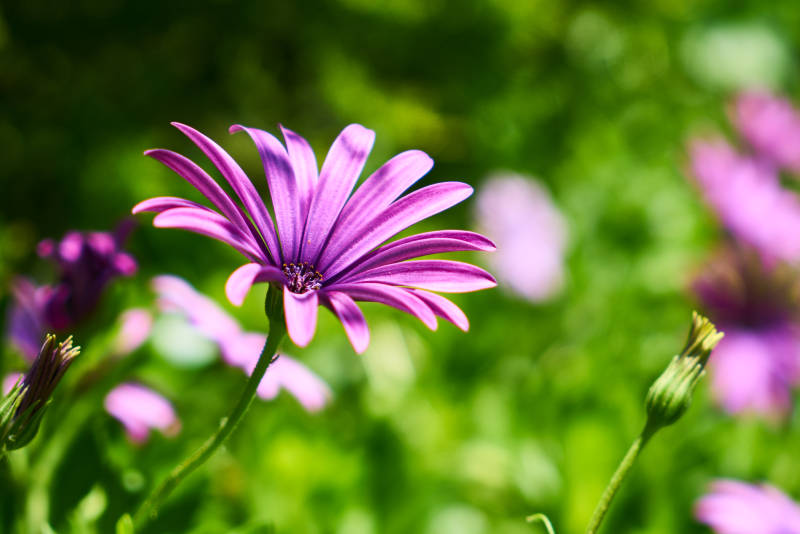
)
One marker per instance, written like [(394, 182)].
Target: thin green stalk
[(149, 509), (616, 480)]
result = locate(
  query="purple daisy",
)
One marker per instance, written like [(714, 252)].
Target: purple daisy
[(733, 507), (756, 365), (327, 245)]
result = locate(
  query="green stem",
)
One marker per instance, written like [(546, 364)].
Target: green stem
[(149, 509), (616, 480)]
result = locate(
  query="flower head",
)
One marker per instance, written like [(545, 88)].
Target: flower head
[(733, 507), (531, 235), (239, 348), (141, 409), (325, 245), (86, 263), (757, 364), (19, 423)]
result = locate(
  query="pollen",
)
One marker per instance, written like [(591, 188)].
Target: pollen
[(302, 277)]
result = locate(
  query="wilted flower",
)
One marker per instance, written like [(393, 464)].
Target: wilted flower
[(141, 409), (323, 249), (238, 348), (756, 305), (747, 196), (19, 421), (86, 263), (518, 214), (771, 125), (734, 507)]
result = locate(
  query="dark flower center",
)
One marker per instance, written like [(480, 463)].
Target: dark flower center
[(302, 277)]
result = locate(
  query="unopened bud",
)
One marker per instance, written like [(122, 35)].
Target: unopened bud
[(671, 394), (22, 409)]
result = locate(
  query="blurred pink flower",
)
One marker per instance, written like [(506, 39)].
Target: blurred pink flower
[(238, 348), (141, 409), (9, 381), (733, 507), (757, 363), (771, 125), (518, 214), (747, 196), (135, 326)]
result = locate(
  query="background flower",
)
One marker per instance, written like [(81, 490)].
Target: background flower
[(517, 213), (733, 507), (141, 409), (771, 125)]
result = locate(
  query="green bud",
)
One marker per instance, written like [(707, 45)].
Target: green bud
[(671, 394), (22, 409)]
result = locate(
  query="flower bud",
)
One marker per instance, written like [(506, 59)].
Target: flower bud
[(22, 409), (671, 394)]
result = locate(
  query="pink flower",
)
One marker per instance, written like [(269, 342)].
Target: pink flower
[(141, 409), (238, 348), (733, 507), (518, 214), (325, 245), (135, 326), (747, 196), (771, 125)]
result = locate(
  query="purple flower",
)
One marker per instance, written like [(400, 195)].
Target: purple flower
[(518, 214), (734, 507), (748, 198), (241, 349), (325, 247), (771, 126), (86, 263), (757, 363), (141, 409)]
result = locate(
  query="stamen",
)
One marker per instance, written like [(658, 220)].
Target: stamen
[(302, 277)]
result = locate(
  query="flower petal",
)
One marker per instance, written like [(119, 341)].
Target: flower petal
[(192, 173), (376, 193), (410, 209), (443, 308), (240, 183), (437, 275), (209, 223), (304, 164), (351, 317), (282, 189), (159, 204), (339, 173), (301, 315), (395, 297), (420, 245), (242, 279), (309, 389)]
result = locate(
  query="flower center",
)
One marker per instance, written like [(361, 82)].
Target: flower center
[(302, 277)]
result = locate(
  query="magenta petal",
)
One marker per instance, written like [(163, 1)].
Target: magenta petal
[(420, 245), (301, 315), (351, 317), (139, 409), (242, 279), (339, 173), (376, 193), (392, 296), (209, 223), (134, 330), (410, 209), (240, 183), (304, 164), (443, 308), (192, 173), (309, 389), (282, 189), (159, 204), (437, 275)]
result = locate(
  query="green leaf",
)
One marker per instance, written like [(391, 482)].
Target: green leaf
[(125, 525)]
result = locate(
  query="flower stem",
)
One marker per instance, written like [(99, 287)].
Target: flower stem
[(619, 475), (149, 509)]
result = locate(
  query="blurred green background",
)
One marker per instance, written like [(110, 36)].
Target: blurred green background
[(433, 433)]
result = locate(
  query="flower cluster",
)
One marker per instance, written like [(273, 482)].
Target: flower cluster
[(326, 246)]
